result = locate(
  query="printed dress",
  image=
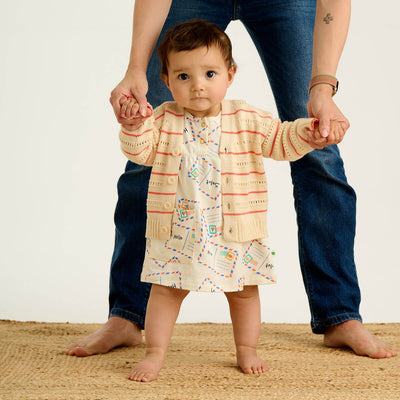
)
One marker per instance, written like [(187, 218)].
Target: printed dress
[(197, 257)]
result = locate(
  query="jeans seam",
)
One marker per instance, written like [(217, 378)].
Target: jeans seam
[(307, 281), (236, 6)]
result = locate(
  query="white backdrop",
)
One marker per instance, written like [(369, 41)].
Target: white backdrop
[(60, 161)]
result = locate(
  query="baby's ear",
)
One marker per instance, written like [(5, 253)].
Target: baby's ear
[(164, 77), (231, 73)]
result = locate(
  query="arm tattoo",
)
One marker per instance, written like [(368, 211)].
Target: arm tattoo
[(328, 18)]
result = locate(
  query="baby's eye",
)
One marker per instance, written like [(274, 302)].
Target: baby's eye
[(183, 77), (210, 74)]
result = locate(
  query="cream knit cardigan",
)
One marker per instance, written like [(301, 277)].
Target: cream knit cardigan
[(247, 135)]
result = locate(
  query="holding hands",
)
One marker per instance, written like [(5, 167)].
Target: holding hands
[(129, 102), (337, 129), (130, 113), (332, 124)]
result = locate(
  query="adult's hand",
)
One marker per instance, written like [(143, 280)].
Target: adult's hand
[(322, 106), (134, 85)]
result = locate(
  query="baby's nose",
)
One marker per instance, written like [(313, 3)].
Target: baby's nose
[(197, 84)]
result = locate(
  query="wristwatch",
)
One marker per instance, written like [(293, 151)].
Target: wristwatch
[(324, 79)]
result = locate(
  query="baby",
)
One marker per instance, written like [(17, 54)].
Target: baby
[(207, 199)]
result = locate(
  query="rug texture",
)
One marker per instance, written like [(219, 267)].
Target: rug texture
[(200, 365)]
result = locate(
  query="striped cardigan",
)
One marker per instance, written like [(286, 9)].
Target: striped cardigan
[(247, 135)]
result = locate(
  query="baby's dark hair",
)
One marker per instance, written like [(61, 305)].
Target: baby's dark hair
[(192, 35)]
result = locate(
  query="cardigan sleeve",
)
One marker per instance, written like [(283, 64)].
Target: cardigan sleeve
[(287, 141), (140, 145)]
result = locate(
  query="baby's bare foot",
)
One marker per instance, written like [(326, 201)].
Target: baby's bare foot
[(353, 334), (249, 362), (114, 333), (148, 369)]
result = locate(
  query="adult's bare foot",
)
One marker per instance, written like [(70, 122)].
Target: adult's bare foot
[(114, 333), (353, 334)]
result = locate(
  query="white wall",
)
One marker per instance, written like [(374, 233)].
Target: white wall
[(60, 161)]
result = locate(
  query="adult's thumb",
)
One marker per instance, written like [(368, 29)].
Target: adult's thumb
[(324, 127), (142, 101)]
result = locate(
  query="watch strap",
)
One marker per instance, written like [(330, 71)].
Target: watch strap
[(324, 79)]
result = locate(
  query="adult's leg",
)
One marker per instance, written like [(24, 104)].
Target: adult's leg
[(128, 296), (324, 201)]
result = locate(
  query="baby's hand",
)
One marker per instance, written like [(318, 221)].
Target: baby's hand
[(130, 113), (129, 108), (336, 134)]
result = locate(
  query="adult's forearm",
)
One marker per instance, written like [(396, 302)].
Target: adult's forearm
[(332, 21), (148, 19)]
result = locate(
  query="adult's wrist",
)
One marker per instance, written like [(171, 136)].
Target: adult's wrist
[(325, 81), (135, 70), (322, 90)]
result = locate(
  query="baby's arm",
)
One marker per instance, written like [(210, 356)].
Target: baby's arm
[(292, 140), (140, 145), (288, 141)]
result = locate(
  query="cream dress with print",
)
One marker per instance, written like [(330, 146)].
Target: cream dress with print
[(196, 257)]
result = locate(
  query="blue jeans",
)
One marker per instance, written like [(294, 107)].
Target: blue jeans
[(282, 31)]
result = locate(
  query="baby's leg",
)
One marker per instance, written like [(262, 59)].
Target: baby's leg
[(162, 312), (246, 320)]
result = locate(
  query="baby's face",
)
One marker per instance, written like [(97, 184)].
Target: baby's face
[(198, 80)]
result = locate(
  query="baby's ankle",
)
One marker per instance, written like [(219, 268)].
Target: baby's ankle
[(246, 349), (156, 352)]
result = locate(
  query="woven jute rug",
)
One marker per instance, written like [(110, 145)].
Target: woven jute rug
[(200, 365)]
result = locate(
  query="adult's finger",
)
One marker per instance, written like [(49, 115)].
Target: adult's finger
[(142, 101), (324, 126)]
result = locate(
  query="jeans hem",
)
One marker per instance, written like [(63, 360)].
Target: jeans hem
[(136, 319), (319, 327)]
